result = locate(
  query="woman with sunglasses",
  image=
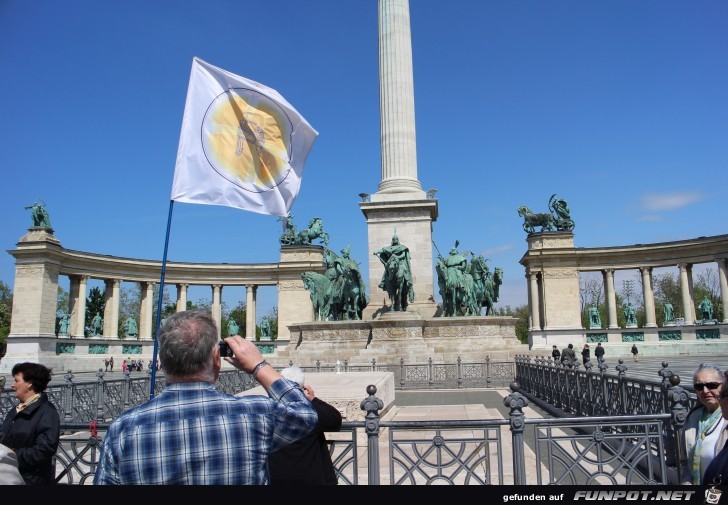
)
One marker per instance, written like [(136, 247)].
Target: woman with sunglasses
[(705, 433), (717, 471)]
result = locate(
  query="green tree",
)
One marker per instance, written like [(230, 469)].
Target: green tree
[(521, 313), (667, 290), (95, 304), (129, 305), (6, 312)]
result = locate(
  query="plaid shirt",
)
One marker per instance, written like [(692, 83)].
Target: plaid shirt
[(192, 434)]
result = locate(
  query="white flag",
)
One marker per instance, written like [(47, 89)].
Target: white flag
[(242, 144)]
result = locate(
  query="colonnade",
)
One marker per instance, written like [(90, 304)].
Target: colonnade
[(112, 296), (686, 291)]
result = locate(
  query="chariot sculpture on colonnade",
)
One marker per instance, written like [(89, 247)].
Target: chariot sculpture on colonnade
[(559, 218)]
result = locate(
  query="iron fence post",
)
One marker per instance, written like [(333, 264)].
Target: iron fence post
[(100, 390), (665, 373), (68, 397), (430, 372), (127, 389), (487, 371), (678, 399), (622, 386), (346, 365), (318, 365), (516, 401), (401, 373), (372, 405), (460, 373), (374, 364)]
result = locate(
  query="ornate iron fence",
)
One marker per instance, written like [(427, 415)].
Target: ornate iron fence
[(624, 450)]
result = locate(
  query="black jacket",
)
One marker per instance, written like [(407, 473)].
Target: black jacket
[(599, 351), (307, 461), (33, 434)]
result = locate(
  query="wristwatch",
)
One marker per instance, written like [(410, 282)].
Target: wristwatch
[(257, 368)]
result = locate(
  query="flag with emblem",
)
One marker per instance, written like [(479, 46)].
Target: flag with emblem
[(242, 144)]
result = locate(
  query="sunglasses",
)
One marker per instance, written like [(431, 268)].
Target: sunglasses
[(698, 386)]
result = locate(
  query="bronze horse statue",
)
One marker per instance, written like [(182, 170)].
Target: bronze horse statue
[(530, 220), (321, 291)]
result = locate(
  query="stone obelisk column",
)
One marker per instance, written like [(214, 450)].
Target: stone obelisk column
[(400, 203)]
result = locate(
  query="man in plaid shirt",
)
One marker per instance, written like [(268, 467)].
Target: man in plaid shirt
[(191, 434)]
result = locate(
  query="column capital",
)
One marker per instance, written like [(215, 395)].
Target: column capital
[(645, 269), (684, 266), (216, 286), (608, 271)]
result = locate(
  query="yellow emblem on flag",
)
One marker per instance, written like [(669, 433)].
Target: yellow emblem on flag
[(246, 138)]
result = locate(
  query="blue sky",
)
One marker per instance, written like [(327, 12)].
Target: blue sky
[(619, 107)]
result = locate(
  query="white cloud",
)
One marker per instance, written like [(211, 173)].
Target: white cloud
[(650, 217), (496, 250), (656, 202)]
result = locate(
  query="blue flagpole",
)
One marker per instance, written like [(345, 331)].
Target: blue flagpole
[(159, 304)]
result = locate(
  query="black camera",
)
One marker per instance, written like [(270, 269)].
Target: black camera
[(225, 350)]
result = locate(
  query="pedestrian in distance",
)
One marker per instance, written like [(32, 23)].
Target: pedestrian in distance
[(634, 352), (568, 356), (556, 354), (585, 354), (599, 353), (205, 437), (308, 460)]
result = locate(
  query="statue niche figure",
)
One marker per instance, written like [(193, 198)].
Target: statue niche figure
[(397, 277), (265, 329), (233, 328), (629, 315), (39, 215), (706, 308), (63, 324), (669, 313), (97, 325), (130, 327), (595, 321)]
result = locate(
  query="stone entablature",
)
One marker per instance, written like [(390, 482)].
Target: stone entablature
[(40, 260), (662, 254)]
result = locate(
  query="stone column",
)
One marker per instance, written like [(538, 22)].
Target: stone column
[(723, 288), (611, 298), (217, 307), (686, 290), (111, 309), (73, 290), (649, 297), (182, 297), (396, 99), (251, 295), (146, 312), (533, 297)]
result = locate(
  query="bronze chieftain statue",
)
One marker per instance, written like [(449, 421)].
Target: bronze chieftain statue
[(340, 293), (397, 277), (466, 287)]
